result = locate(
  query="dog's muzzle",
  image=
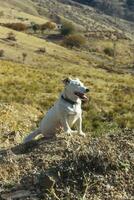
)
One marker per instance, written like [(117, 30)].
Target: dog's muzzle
[(82, 96)]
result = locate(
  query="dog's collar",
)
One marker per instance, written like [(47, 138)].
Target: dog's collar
[(68, 100)]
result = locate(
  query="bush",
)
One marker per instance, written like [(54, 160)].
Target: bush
[(16, 26), (35, 27), (48, 25), (24, 56), (74, 41), (11, 36), (1, 52), (109, 51), (67, 28)]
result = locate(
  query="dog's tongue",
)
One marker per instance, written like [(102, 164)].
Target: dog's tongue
[(82, 96)]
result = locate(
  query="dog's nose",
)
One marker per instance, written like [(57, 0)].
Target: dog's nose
[(87, 90)]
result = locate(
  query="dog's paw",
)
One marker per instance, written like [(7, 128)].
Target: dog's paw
[(82, 134), (68, 133)]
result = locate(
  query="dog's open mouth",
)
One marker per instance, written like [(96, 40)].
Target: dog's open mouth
[(82, 96)]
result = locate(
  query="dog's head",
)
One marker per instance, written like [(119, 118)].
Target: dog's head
[(75, 89)]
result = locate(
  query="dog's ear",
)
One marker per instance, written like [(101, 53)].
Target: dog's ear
[(66, 81)]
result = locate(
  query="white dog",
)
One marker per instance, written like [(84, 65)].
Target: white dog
[(65, 112)]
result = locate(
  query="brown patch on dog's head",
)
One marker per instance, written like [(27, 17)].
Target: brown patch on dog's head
[(67, 81)]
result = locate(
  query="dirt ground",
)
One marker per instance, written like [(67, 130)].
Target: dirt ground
[(70, 168)]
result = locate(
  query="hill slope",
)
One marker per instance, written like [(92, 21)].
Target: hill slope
[(123, 9), (70, 168), (28, 85), (26, 5), (31, 73), (83, 15)]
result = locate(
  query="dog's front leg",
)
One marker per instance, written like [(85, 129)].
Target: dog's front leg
[(79, 126), (66, 126)]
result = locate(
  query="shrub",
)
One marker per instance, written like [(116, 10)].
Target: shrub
[(74, 41), (11, 36), (48, 25), (24, 55), (67, 28), (16, 26), (35, 27), (109, 51), (1, 52)]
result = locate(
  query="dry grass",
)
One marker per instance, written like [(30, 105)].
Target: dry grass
[(28, 92), (70, 168)]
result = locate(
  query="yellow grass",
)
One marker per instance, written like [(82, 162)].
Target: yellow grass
[(27, 93), (28, 90)]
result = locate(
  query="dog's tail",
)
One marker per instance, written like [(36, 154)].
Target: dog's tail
[(31, 136)]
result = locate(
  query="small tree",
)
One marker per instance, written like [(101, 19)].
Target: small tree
[(1, 52), (74, 41), (24, 56), (35, 27), (67, 28), (109, 51)]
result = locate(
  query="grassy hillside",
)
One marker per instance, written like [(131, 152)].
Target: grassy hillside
[(30, 82), (27, 93), (16, 14), (84, 15), (32, 67), (26, 6), (30, 87)]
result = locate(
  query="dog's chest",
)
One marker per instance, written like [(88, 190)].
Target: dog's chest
[(74, 110), (74, 113)]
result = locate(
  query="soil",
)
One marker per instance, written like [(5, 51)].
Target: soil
[(70, 168)]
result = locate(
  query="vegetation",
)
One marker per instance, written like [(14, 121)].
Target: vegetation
[(35, 27), (16, 26), (67, 28), (11, 36), (48, 26), (99, 166), (114, 7), (69, 168), (110, 105), (24, 56), (74, 41), (1, 52), (109, 51)]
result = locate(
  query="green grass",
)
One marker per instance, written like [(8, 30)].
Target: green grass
[(28, 90), (27, 93)]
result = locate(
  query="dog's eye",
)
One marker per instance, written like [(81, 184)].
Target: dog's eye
[(78, 84)]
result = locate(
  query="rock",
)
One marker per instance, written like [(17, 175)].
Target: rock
[(45, 181)]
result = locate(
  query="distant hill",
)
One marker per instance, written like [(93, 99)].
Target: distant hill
[(26, 5), (123, 9), (86, 16)]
